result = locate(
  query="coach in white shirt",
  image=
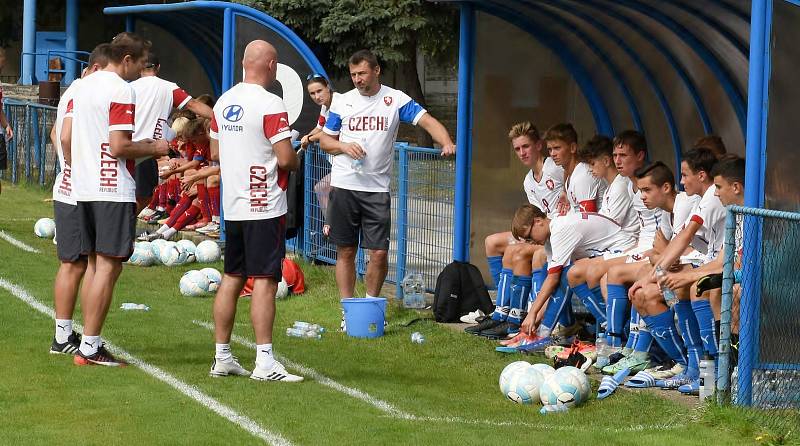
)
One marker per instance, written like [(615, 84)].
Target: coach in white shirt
[(360, 131)]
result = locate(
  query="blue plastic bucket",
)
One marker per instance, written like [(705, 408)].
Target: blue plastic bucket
[(364, 316)]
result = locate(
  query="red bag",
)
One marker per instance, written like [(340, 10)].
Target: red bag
[(292, 275)]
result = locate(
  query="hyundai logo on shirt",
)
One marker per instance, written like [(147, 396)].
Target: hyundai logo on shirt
[(233, 113)]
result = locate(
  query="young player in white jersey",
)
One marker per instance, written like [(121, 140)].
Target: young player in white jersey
[(250, 136), (511, 264), (155, 99), (708, 217), (568, 238), (360, 131), (101, 153), (73, 264), (584, 192), (616, 204)]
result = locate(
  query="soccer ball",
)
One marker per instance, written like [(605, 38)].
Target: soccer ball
[(508, 373), (193, 283), (585, 386), (545, 369), (207, 251), (524, 386), (45, 228), (190, 249), (214, 278), (172, 254), (142, 254), (155, 247), (563, 388), (283, 290)]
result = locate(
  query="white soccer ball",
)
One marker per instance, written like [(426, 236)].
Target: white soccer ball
[(207, 251), (142, 254), (172, 254), (283, 290), (562, 388), (585, 385), (45, 228), (508, 373), (155, 247), (214, 278), (545, 369), (524, 386), (190, 249), (193, 283)]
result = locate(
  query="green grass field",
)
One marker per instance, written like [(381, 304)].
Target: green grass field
[(381, 391)]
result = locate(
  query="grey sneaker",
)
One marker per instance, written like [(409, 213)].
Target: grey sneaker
[(227, 368)]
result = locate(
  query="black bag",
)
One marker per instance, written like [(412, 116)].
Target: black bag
[(460, 290)]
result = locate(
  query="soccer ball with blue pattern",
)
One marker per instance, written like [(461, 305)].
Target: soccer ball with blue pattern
[(524, 386), (142, 255), (45, 228), (214, 278), (564, 387), (508, 373), (193, 283), (190, 249), (207, 251)]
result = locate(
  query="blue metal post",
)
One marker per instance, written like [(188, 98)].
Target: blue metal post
[(466, 54), (70, 64), (754, 197), (28, 42), (130, 23), (228, 49), (402, 217)]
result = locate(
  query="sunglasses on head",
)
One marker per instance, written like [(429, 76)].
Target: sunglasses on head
[(315, 76)]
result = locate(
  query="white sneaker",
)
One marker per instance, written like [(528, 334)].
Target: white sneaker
[(226, 368), (211, 227), (470, 317), (146, 212), (275, 373)]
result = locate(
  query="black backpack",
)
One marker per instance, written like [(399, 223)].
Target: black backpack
[(460, 290)]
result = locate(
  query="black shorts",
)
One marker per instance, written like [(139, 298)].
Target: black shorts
[(255, 248), (68, 231), (107, 228), (352, 212), (146, 176), (3, 153)]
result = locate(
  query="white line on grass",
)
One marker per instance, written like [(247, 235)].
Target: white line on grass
[(192, 392), (392, 412), (324, 380), (5, 236)]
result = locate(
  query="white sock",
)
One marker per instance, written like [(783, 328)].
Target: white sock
[(63, 330), (162, 229), (223, 352), (89, 345), (264, 358), (168, 233), (160, 209), (543, 331)]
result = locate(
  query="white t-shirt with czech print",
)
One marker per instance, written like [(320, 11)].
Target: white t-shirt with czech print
[(62, 188), (247, 121), (546, 192), (580, 235), (584, 191), (371, 121), (709, 213), (155, 99), (103, 103)]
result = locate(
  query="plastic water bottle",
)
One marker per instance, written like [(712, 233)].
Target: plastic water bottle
[(601, 347), (417, 338), (669, 296), (553, 408), (309, 326), (357, 165), (413, 287), (707, 378), (133, 306), (300, 333), (734, 385)]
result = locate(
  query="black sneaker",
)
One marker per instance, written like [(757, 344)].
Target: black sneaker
[(67, 348), (102, 357), (483, 325), (500, 331), (709, 282)]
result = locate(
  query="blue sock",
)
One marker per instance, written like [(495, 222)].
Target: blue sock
[(503, 295), (520, 293), (615, 313), (662, 327), (633, 329), (705, 321), (598, 309), (691, 335), (566, 319), (557, 304), (645, 339), (538, 276), (495, 266)]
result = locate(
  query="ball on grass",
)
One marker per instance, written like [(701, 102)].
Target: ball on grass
[(193, 283), (45, 228), (207, 251), (214, 278)]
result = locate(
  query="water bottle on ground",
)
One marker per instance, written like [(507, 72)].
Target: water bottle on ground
[(309, 326), (413, 290), (133, 306), (417, 337), (553, 408), (669, 296), (300, 333), (734, 385), (601, 347), (707, 378)]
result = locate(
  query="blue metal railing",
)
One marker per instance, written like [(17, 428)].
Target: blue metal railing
[(63, 55), (30, 153)]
